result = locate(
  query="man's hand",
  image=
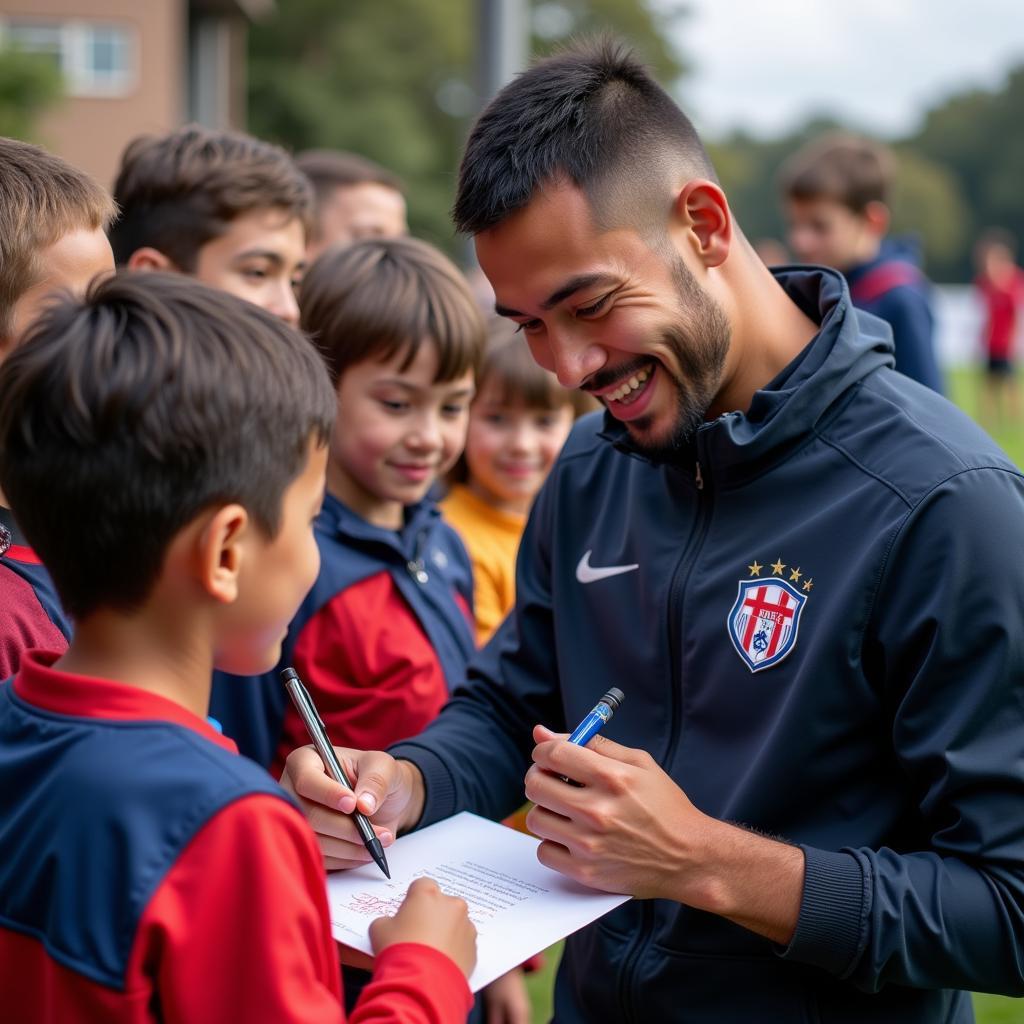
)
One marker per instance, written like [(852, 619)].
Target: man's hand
[(629, 828), (387, 791)]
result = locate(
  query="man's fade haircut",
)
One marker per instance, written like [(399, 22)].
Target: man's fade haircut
[(178, 192), (847, 169), (331, 169), (42, 198), (381, 296), (126, 414), (591, 114)]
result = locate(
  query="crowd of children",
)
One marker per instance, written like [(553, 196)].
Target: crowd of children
[(204, 555), (211, 494)]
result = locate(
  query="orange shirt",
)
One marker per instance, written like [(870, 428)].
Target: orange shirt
[(492, 539)]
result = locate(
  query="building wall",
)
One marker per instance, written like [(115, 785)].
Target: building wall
[(91, 131)]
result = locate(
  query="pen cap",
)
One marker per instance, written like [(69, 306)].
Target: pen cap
[(613, 698), (288, 674)]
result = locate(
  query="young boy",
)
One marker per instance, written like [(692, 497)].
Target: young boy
[(146, 871), (387, 630), (52, 222), (836, 194), (355, 199), (228, 209)]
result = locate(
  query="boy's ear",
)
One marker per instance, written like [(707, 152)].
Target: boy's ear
[(221, 553), (877, 216), (148, 258), (702, 210)]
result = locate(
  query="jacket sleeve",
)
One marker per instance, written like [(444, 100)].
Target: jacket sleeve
[(240, 930), (945, 648), (474, 756)]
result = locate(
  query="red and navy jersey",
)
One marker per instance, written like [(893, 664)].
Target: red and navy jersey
[(148, 873), (30, 612), (380, 641)]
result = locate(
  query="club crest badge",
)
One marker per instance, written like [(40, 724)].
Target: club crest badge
[(765, 618)]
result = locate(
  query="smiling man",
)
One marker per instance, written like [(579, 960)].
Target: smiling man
[(800, 566)]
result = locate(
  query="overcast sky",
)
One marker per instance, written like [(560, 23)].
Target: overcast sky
[(764, 66)]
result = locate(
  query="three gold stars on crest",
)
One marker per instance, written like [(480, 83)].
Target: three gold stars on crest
[(779, 569)]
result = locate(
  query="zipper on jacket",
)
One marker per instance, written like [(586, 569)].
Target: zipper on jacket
[(677, 588), (417, 566)]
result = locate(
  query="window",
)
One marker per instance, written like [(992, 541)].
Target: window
[(97, 59)]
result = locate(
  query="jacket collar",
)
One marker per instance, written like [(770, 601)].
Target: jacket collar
[(44, 687), (337, 519)]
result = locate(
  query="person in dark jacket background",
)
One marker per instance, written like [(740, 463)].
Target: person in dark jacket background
[(836, 196), (801, 566)]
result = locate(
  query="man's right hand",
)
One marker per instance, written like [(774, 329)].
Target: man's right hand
[(387, 791), (431, 918)]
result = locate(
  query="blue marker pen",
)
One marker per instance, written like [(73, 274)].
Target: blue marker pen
[(595, 720)]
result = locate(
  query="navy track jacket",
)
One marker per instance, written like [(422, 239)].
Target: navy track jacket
[(820, 635)]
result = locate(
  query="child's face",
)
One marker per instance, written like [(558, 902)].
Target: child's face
[(396, 432), (510, 448), (827, 232), (354, 212), (259, 258), (275, 575), (69, 264)]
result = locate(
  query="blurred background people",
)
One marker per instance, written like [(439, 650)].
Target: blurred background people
[(836, 191), (355, 199), (1000, 285)]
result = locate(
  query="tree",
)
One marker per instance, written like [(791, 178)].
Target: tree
[(394, 81), (29, 83)]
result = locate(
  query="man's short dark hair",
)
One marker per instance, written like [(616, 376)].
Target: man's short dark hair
[(178, 192), (593, 115), (126, 414), (381, 296), (848, 169)]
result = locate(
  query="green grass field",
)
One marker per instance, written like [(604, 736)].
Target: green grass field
[(963, 387)]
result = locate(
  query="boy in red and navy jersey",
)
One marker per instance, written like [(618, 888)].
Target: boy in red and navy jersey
[(52, 222), (146, 871), (386, 631)]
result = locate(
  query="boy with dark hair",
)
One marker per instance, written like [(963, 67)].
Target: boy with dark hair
[(802, 567), (386, 631), (146, 871), (52, 223), (355, 199), (836, 193), (226, 208)]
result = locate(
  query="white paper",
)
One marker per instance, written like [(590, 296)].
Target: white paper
[(519, 906)]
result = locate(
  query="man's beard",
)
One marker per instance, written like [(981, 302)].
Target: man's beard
[(699, 341)]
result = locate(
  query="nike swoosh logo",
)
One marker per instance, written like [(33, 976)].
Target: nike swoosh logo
[(586, 573)]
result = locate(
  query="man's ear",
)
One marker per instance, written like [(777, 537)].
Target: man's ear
[(703, 211), (148, 258), (221, 552), (877, 217)]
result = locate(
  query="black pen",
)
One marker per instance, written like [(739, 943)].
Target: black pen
[(318, 734)]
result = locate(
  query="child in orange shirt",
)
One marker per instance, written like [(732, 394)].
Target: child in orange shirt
[(518, 422)]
